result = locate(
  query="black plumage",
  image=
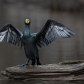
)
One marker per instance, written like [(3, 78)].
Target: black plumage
[(45, 36)]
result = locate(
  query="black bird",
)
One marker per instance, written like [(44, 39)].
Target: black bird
[(46, 35)]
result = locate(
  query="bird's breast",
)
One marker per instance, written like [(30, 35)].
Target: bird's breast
[(29, 41), (30, 46)]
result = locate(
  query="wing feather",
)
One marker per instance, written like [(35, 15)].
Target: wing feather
[(12, 34), (51, 31), (2, 35)]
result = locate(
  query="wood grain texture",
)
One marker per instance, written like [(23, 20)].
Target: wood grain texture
[(47, 72)]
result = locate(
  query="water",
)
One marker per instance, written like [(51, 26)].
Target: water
[(40, 82), (59, 50)]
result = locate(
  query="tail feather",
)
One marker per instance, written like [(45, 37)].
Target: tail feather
[(38, 62)]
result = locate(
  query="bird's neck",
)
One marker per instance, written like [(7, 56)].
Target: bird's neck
[(27, 30)]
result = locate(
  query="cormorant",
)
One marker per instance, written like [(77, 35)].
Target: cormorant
[(46, 35)]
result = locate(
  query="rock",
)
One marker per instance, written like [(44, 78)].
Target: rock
[(71, 70)]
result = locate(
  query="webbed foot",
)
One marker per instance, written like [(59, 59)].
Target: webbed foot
[(34, 65), (23, 65)]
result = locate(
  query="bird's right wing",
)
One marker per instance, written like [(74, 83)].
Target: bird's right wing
[(12, 34)]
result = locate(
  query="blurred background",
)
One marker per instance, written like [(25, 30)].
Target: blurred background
[(68, 12)]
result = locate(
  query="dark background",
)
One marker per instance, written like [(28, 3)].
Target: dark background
[(68, 12)]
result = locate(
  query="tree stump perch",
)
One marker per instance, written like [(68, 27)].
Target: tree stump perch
[(71, 70)]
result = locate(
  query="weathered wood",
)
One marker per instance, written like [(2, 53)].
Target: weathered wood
[(72, 70)]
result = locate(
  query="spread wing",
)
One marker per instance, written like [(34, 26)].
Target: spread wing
[(51, 31), (12, 34)]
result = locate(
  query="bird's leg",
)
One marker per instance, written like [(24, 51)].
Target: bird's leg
[(35, 62), (27, 63)]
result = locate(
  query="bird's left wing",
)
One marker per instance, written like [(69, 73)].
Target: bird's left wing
[(12, 34), (51, 31)]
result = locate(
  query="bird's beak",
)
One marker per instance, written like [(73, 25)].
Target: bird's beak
[(26, 22)]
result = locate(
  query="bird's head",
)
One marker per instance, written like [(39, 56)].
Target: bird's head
[(27, 21)]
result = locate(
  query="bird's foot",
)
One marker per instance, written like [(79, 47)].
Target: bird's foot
[(24, 65), (34, 65)]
